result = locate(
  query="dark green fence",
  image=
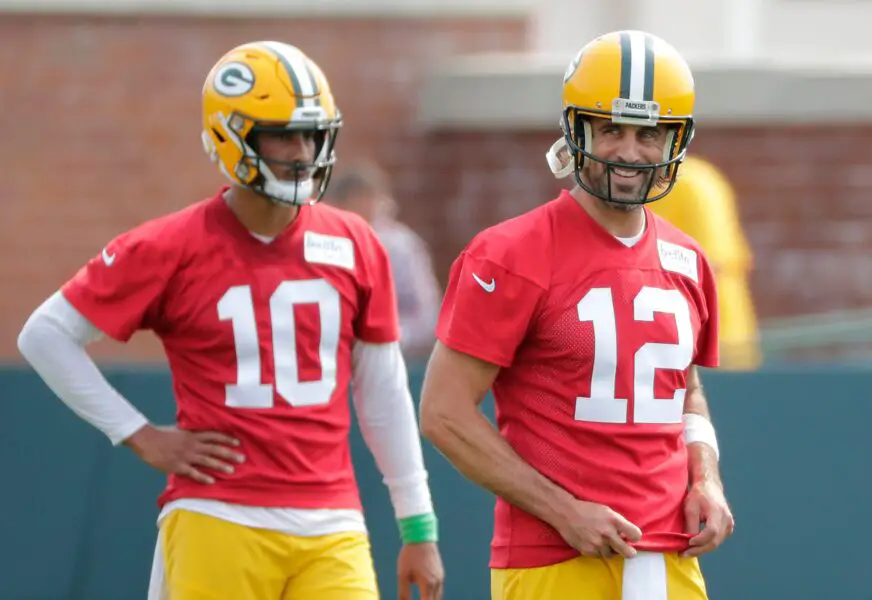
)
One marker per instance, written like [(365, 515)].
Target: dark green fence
[(77, 517)]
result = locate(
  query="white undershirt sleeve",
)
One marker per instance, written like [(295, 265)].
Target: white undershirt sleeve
[(383, 403), (53, 341)]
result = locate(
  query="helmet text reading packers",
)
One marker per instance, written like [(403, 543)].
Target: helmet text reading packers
[(269, 87)]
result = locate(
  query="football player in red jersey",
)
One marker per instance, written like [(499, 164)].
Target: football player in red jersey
[(269, 305), (588, 317)]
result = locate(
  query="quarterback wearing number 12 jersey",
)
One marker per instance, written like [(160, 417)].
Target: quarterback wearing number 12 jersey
[(258, 337), (594, 339)]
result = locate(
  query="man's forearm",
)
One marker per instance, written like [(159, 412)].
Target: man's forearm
[(386, 417), (694, 399), (702, 464), (702, 459), (477, 450)]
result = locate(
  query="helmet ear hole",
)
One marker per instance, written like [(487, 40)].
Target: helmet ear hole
[(247, 170), (208, 146)]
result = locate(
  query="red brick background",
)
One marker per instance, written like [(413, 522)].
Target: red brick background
[(101, 124), (805, 196), (100, 127)]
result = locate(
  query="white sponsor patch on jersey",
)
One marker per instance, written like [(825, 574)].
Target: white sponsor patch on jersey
[(328, 250), (678, 259)]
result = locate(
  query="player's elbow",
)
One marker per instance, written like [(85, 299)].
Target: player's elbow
[(30, 338), (440, 414), (453, 387), (23, 342), (442, 419), (431, 419)]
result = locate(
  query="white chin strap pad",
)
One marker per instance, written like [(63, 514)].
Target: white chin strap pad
[(290, 192), (559, 159), (287, 192)]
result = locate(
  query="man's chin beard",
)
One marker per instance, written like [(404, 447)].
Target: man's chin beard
[(617, 204), (621, 206)]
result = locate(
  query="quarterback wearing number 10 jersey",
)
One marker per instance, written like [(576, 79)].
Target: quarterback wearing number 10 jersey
[(258, 336), (594, 338), (276, 314)]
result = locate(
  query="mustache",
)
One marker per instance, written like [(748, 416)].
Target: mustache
[(636, 166), (294, 168)]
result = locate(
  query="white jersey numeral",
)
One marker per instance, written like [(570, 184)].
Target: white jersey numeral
[(237, 306), (603, 406)]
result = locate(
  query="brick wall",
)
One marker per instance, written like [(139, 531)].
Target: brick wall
[(101, 130), (805, 196), (100, 124)]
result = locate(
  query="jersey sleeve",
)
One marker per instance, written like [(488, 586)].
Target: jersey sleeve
[(708, 352), (120, 289), (377, 321), (486, 310)]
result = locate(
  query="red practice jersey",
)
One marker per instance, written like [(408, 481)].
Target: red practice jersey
[(258, 337), (595, 340)]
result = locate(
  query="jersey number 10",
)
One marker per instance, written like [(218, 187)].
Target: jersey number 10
[(237, 306)]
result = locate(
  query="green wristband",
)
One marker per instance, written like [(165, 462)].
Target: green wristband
[(419, 529)]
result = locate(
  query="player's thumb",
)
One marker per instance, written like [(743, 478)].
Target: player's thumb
[(404, 588), (691, 518), (628, 531)]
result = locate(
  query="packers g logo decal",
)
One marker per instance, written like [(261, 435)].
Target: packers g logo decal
[(233, 79)]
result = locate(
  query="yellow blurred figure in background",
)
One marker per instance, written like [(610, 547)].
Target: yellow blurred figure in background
[(703, 205)]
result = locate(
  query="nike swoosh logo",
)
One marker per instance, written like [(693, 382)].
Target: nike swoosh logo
[(108, 258), (486, 286)]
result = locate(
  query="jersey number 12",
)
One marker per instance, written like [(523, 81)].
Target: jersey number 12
[(603, 406)]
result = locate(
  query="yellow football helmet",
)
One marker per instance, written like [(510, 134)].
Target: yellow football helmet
[(632, 78), (269, 86)]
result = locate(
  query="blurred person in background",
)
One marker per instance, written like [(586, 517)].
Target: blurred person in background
[(268, 306), (589, 317), (702, 204), (366, 191)]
